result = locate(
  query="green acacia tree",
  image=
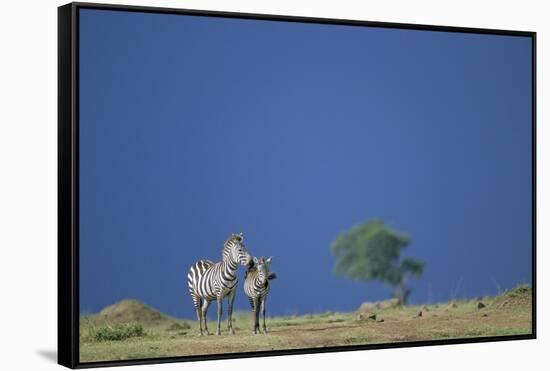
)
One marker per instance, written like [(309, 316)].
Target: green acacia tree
[(372, 252)]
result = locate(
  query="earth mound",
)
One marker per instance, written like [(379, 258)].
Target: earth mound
[(520, 296), (130, 310)]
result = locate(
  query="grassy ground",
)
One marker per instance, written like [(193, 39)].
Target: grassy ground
[(507, 314)]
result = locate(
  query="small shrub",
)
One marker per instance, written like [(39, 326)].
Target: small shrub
[(117, 332), (178, 326)]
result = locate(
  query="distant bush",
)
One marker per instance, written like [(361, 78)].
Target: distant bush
[(117, 332), (178, 326)]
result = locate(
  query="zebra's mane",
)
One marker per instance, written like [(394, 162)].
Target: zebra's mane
[(235, 237)]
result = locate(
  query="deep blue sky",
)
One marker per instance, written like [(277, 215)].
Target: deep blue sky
[(192, 128)]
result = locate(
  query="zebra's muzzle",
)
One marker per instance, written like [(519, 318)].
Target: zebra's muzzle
[(247, 261), (250, 264)]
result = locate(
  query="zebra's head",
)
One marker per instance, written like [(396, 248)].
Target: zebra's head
[(262, 265), (235, 251)]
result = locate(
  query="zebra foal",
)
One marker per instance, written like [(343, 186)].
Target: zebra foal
[(209, 281), (256, 287)]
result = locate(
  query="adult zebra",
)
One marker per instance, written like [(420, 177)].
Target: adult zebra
[(209, 281), (256, 287)]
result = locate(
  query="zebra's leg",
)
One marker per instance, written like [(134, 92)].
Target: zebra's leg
[(251, 301), (205, 305), (220, 305), (230, 300), (197, 304), (256, 315), (263, 314)]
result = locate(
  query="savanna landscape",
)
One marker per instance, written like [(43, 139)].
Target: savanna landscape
[(130, 329), (380, 178)]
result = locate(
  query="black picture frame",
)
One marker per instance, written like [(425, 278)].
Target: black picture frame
[(68, 181)]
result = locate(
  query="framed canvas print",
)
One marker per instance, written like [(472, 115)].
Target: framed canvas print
[(243, 185)]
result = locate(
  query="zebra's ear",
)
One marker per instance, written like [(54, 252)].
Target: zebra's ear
[(255, 259), (268, 261)]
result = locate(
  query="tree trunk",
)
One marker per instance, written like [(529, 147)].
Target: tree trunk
[(401, 292)]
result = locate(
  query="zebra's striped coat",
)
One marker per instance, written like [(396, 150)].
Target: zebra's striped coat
[(256, 287), (209, 281)]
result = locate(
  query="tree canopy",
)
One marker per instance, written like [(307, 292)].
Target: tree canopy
[(372, 252)]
